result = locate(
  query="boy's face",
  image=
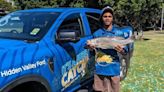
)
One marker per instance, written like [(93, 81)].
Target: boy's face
[(107, 19)]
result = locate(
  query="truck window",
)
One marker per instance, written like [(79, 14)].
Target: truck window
[(73, 22), (31, 26), (93, 19)]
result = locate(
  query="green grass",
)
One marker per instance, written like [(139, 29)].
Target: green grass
[(146, 72)]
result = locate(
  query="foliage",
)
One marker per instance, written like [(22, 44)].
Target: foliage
[(6, 6), (77, 3), (29, 4), (138, 13)]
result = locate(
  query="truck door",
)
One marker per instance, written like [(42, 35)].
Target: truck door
[(74, 56), (93, 25)]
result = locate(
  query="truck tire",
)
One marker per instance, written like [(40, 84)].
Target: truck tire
[(124, 65)]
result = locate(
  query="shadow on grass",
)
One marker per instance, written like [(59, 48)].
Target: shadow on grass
[(146, 39), (160, 32), (142, 39)]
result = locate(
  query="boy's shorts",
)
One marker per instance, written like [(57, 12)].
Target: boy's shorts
[(106, 83)]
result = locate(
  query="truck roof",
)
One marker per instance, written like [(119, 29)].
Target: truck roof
[(60, 10)]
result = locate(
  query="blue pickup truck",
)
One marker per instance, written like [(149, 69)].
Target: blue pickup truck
[(43, 50)]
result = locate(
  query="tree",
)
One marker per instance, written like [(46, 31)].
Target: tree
[(77, 3), (6, 6), (29, 4), (138, 12)]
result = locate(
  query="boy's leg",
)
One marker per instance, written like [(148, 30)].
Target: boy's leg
[(98, 83), (115, 83), (107, 84)]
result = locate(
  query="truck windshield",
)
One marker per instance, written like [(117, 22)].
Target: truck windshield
[(31, 26)]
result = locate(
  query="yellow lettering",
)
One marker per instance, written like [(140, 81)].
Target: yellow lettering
[(70, 75), (74, 72), (64, 82), (79, 68)]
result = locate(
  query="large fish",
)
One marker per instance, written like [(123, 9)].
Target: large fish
[(109, 42)]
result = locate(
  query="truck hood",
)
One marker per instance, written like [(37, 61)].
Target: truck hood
[(6, 44)]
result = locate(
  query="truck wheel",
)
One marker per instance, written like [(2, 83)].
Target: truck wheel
[(124, 69), (29, 87), (124, 65)]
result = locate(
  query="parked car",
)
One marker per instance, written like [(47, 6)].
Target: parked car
[(43, 50)]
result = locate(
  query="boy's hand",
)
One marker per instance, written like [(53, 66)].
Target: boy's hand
[(119, 49), (90, 45)]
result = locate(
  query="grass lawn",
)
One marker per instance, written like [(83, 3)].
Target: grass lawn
[(146, 72)]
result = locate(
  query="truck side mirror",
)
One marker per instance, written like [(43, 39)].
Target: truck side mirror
[(68, 35)]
